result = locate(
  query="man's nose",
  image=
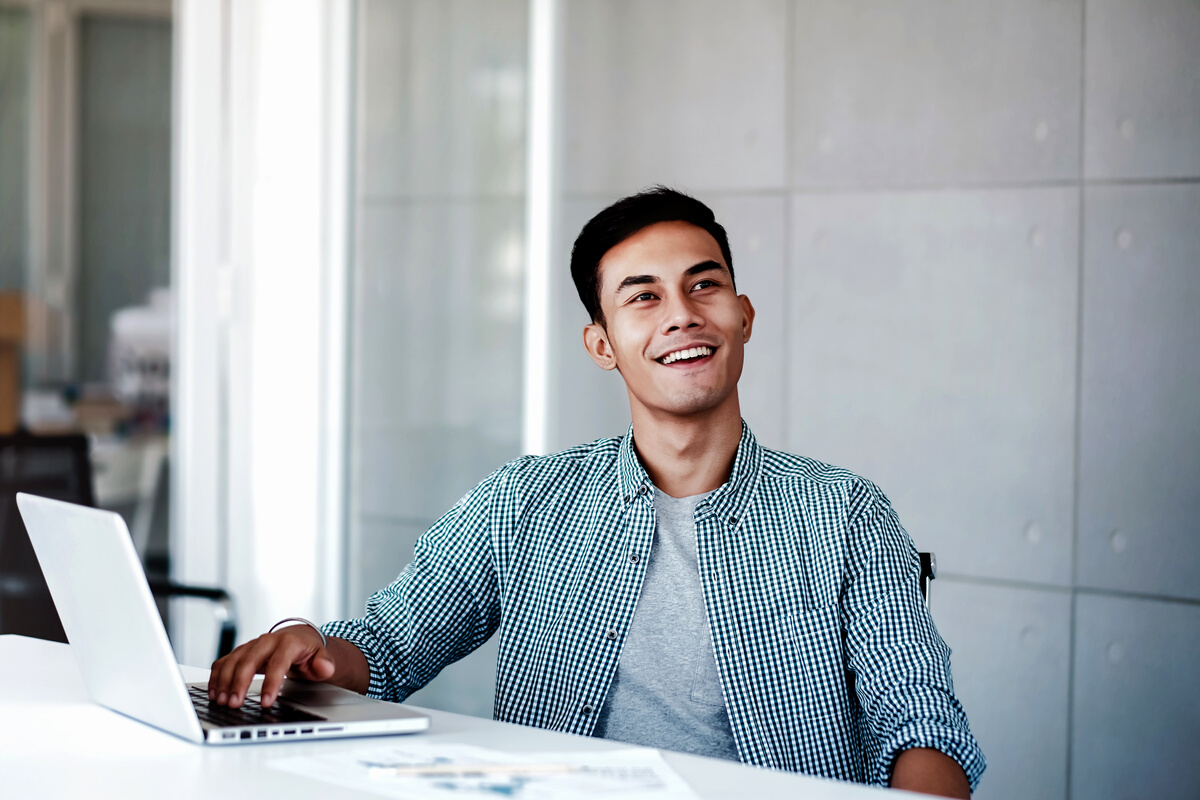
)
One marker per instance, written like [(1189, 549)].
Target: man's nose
[(680, 313)]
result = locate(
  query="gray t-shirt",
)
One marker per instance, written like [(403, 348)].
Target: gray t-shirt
[(666, 692)]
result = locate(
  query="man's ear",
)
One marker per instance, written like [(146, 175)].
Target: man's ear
[(595, 341), (747, 317)]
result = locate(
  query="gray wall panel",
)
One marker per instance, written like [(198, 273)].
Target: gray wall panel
[(1011, 665), (439, 350), (932, 349), (1143, 89), (421, 470), (465, 687), (1139, 428), (687, 92), (382, 548), (442, 97), (928, 92), (1136, 714)]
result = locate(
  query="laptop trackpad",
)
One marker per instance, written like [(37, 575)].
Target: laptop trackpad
[(319, 694)]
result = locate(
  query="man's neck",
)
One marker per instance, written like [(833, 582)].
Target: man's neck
[(686, 456)]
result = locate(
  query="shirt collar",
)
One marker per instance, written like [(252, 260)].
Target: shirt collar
[(729, 501)]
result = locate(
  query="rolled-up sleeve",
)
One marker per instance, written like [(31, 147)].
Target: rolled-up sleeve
[(441, 607), (900, 663)]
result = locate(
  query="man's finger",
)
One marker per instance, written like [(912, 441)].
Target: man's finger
[(247, 667), (285, 655), (222, 672)]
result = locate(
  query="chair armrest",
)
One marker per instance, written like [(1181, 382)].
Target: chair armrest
[(928, 572), (225, 609)]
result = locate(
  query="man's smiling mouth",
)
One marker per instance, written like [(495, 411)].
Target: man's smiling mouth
[(687, 354)]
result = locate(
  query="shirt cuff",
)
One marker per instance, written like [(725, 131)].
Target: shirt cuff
[(954, 742), (362, 638)]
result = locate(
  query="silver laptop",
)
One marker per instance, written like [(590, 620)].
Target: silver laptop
[(118, 639)]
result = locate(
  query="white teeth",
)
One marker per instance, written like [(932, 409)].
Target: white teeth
[(694, 352)]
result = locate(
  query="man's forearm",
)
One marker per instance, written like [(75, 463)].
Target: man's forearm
[(923, 769), (350, 666)]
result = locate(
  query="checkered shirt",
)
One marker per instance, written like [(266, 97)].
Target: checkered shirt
[(829, 660)]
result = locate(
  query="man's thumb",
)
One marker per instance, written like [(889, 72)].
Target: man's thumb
[(322, 667)]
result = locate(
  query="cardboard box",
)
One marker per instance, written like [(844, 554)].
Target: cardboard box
[(12, 334)]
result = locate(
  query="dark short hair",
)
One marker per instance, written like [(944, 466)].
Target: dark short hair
[(623, 219)]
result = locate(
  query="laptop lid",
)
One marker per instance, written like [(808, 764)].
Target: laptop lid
[(108, 613)]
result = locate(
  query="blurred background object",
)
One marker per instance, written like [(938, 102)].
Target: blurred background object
[(12, 333), (139, 368), (85, 240), (48, 466), (969, 230)]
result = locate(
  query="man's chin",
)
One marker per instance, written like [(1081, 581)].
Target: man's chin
[(692, 404)]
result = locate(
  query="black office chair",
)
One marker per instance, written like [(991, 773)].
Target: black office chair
[(59, 467), (928, 572)]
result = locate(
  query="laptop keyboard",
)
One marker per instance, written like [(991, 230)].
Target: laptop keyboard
[(251, 712)]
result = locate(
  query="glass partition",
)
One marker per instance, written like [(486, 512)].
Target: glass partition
[(438, 311), (124, 175), (15, 67)]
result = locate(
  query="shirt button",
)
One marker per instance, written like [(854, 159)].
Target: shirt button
[(585, 710), (733, 520), (642, 490), (612, 634), (626, 498), (633, 559)]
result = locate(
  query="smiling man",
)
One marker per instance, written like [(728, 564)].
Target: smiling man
[(679, 586)]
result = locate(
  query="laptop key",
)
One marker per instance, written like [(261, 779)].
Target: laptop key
[(251, 712)]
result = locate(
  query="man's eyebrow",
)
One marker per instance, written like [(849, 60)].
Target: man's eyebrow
[(636, 280), (642, 280), (704, 266)]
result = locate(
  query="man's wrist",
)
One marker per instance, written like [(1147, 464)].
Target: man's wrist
[(300, 621), (351, 670)]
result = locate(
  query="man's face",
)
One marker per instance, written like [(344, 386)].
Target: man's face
[(675, 326)]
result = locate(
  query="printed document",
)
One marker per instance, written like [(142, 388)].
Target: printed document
[(431, 770)]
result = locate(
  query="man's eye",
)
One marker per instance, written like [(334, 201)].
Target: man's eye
[(703, 285), (644, 296)]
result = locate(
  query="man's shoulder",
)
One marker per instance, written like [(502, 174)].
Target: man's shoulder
[(788, 467), (533, 476), (599, 455), (788, 470)]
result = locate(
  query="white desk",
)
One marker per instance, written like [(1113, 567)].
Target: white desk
[(55, 742)]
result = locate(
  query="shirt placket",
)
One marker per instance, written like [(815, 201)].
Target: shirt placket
[(628, 573), (713, 524)]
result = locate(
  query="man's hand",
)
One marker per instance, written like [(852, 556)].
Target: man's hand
[(923, 769), (294, 651)]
